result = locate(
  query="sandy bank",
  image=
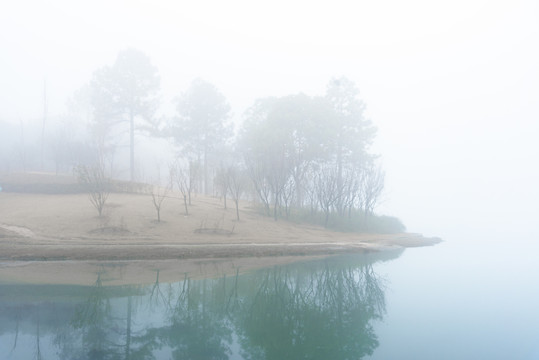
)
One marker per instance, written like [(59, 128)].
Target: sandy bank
[(45, 236)]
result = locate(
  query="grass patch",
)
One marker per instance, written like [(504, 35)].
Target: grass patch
[(355, 221)]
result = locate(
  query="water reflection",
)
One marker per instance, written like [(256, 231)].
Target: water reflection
[(315, 310)]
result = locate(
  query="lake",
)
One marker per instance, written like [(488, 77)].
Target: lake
[(455, 300)]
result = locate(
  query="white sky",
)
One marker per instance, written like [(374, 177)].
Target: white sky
[(453, 86)]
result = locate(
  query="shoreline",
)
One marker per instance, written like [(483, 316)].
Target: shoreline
[(131, 264), (33, 248), (54, 238)]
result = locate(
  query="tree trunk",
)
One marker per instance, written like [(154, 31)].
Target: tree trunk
[(185, 203), (205, 170), (43, 128), (275, 207), (339, 175), (132, 145), (128, 329), (237, 210)]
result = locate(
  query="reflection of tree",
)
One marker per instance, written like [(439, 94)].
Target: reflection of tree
[(17, 322), (102, 334), (317, 310), (28, 320), (321, 315), (197, 328), (99, 328), (157, 298), (67, 342), (38, 347), (138, 344)]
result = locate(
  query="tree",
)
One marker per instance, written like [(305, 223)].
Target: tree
[(95, 182), (352, 187), (257, 173), (105, 113), (312, 152), (185, 179), (373, 185), (201, 125), (125, 93), (228, 157), (351, 133), (159, 194), (327, 190), (287, 195), (221, 182), (236, 181), (80, 138), (281, 139)]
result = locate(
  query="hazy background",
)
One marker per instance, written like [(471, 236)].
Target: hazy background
[(453, 87)]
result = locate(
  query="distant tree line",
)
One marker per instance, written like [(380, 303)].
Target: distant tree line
[(299, 157), (311, 153)]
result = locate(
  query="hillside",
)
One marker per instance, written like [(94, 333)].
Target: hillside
[(59, 227)]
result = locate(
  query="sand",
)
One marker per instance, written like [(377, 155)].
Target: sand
[(53, 238)]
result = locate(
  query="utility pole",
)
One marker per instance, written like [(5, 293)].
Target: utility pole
[(43, 128)]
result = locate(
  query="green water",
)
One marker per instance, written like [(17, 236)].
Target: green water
[(317, 310), (439, 302)]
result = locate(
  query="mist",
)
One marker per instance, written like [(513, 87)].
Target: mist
[(269, 180), (452, 88)]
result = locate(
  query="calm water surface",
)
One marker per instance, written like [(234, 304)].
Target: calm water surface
[(451, 301)]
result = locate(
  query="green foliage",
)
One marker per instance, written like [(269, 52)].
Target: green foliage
[(371, 224), (357, 221), (312, 153), (200, 127), (126, 92)]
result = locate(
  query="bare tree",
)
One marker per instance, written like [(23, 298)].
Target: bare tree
[(277, 177), (179, 178), (159, 194), (312, 196), (185, 179), (221, 183), (94, 181), (351, 190), (327, 189), (257, 172), (373, 185), (287, 195), (237, 182)]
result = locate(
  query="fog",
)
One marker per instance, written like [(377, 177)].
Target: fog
[(452, 87)]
